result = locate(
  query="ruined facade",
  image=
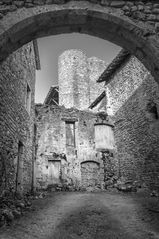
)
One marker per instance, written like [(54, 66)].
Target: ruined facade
[(17, 89), (65, 132), (132, 99), (66, 151)]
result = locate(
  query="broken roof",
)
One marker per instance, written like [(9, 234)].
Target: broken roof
[(53, 95)]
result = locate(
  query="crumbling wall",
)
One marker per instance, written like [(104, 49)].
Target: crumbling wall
[(133, 100), (16, 124), (51, 143)]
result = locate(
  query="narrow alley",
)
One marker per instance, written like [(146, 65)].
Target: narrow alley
[(63, 215)]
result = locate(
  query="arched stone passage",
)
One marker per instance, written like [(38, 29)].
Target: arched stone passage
[(25, 24)]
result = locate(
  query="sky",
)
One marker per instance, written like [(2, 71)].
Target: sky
[(50, 48)]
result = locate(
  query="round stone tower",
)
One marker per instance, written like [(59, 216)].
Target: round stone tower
[(73, 79)]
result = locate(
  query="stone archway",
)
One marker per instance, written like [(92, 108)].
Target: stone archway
[(108, 20)]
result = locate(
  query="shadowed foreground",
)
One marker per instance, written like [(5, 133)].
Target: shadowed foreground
[(87, 215)]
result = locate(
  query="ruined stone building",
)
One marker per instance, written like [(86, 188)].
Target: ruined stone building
[(65, 126), (58, 145), (131, 95), (66, 123)]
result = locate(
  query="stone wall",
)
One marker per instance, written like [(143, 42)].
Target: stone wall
[(133, 101), (16, 123), (77, 79), (51, 141)]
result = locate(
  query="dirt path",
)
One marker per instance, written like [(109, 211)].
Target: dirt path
[(85, 216)]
